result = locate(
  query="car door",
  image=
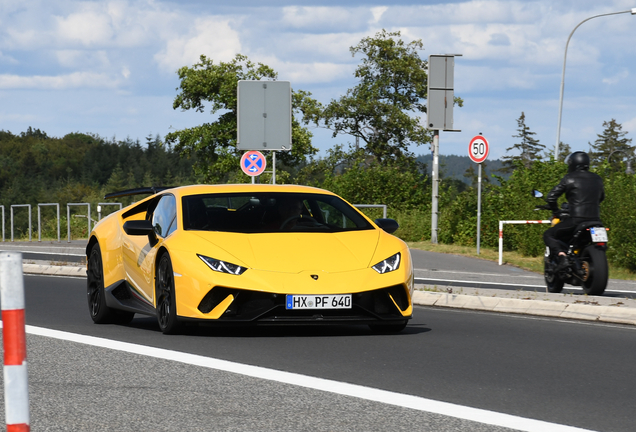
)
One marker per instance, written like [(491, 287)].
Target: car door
[(142, 250)]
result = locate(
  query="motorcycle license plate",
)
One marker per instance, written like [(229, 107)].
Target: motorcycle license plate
[(599, 234)]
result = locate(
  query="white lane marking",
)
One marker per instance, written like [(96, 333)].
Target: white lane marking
[(353, 390), (480, 274), (480, 282), (44, 253)]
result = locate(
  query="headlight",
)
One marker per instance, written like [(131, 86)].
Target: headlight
[(388, 265), (222, 266)]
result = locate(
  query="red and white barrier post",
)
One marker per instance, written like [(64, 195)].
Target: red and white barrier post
[(16, 385), (501, 224)]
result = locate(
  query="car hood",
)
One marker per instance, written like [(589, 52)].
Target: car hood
[(296, 252)]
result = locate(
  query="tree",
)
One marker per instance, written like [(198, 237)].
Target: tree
[(383, 110), (213, 144), (564, 151), (611, 140), (529, 148), (472, 175)]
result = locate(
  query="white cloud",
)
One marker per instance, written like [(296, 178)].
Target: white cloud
[(211, 36), (616, 78), (87, 28), (82, 58), (326, 19), (60, 82)]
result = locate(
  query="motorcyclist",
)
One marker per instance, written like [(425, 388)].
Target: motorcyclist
[(584, 192)]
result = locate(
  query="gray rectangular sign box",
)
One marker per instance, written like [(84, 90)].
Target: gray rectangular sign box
[(441, 95), (264, 115)]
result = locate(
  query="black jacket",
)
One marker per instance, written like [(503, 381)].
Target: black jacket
[(584, 192)]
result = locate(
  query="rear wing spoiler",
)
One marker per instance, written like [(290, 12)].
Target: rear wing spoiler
[(137, 191)]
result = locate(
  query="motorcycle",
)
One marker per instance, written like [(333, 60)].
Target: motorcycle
[(586, 255)]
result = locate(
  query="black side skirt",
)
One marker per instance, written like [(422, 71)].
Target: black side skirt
[(121, 296)]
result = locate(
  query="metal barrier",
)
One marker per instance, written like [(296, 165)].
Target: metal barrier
[(2, 222), (57, 205), (21, 205), (501, 224), (99, 208), (382, 206), (68, 217)]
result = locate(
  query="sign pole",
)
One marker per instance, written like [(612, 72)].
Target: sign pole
[(478, 149), (274, 167), (478, 205), (434, 212)]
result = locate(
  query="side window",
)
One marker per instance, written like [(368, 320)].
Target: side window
[(164, 218), (334, 217)]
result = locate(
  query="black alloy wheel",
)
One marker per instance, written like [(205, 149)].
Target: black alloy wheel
[(165, 295), (595, 270), (99, 311)]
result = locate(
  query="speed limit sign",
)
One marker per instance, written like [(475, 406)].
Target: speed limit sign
[(478, 149)]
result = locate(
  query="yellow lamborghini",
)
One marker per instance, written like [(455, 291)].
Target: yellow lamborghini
[(248, 254)]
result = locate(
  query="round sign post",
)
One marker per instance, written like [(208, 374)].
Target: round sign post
[(253, 163), (478, 152)]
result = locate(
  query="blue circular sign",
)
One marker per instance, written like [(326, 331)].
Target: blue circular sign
[(253, 163)]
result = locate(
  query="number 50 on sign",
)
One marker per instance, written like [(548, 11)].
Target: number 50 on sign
[(478, 149)]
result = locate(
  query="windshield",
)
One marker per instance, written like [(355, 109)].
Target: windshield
[(270, 212)]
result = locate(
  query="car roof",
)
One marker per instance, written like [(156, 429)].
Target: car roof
[(244, 188)]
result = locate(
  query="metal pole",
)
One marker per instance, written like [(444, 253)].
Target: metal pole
[(274, 167), (434, 213), (68, 221), (558, 135), (478, 206), (39, 225)]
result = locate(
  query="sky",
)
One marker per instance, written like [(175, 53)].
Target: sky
[(109, 67)]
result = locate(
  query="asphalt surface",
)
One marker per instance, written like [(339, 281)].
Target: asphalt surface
[(566, 372)]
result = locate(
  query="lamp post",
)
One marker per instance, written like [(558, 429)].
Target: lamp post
[(558, 136)]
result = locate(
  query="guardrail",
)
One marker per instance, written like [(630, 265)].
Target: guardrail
[(501, 224), (20, 205), (99, 208), (57, 205), (382, 206), (40, 220), (99, 216)]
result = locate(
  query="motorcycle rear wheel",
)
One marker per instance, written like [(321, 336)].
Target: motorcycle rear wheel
[(552, 281), (594, 263)]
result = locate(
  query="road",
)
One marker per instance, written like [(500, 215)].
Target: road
[(562, 372)]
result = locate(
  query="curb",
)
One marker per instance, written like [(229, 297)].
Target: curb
[(54, 270), (616, 314)]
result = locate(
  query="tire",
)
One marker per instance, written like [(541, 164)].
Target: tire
[(388, 328), (552, 281), (594, 263), (165, 295), (99, 311)]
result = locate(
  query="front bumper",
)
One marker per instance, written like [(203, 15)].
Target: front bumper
[(230, 305)]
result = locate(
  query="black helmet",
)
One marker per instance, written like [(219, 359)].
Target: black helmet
[(578, 161)]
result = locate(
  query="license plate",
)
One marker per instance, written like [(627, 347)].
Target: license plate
[(337, 301), (599, 234)]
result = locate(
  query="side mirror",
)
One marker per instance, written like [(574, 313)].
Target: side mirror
[(139, 227), (537, 194), (388, 225)]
